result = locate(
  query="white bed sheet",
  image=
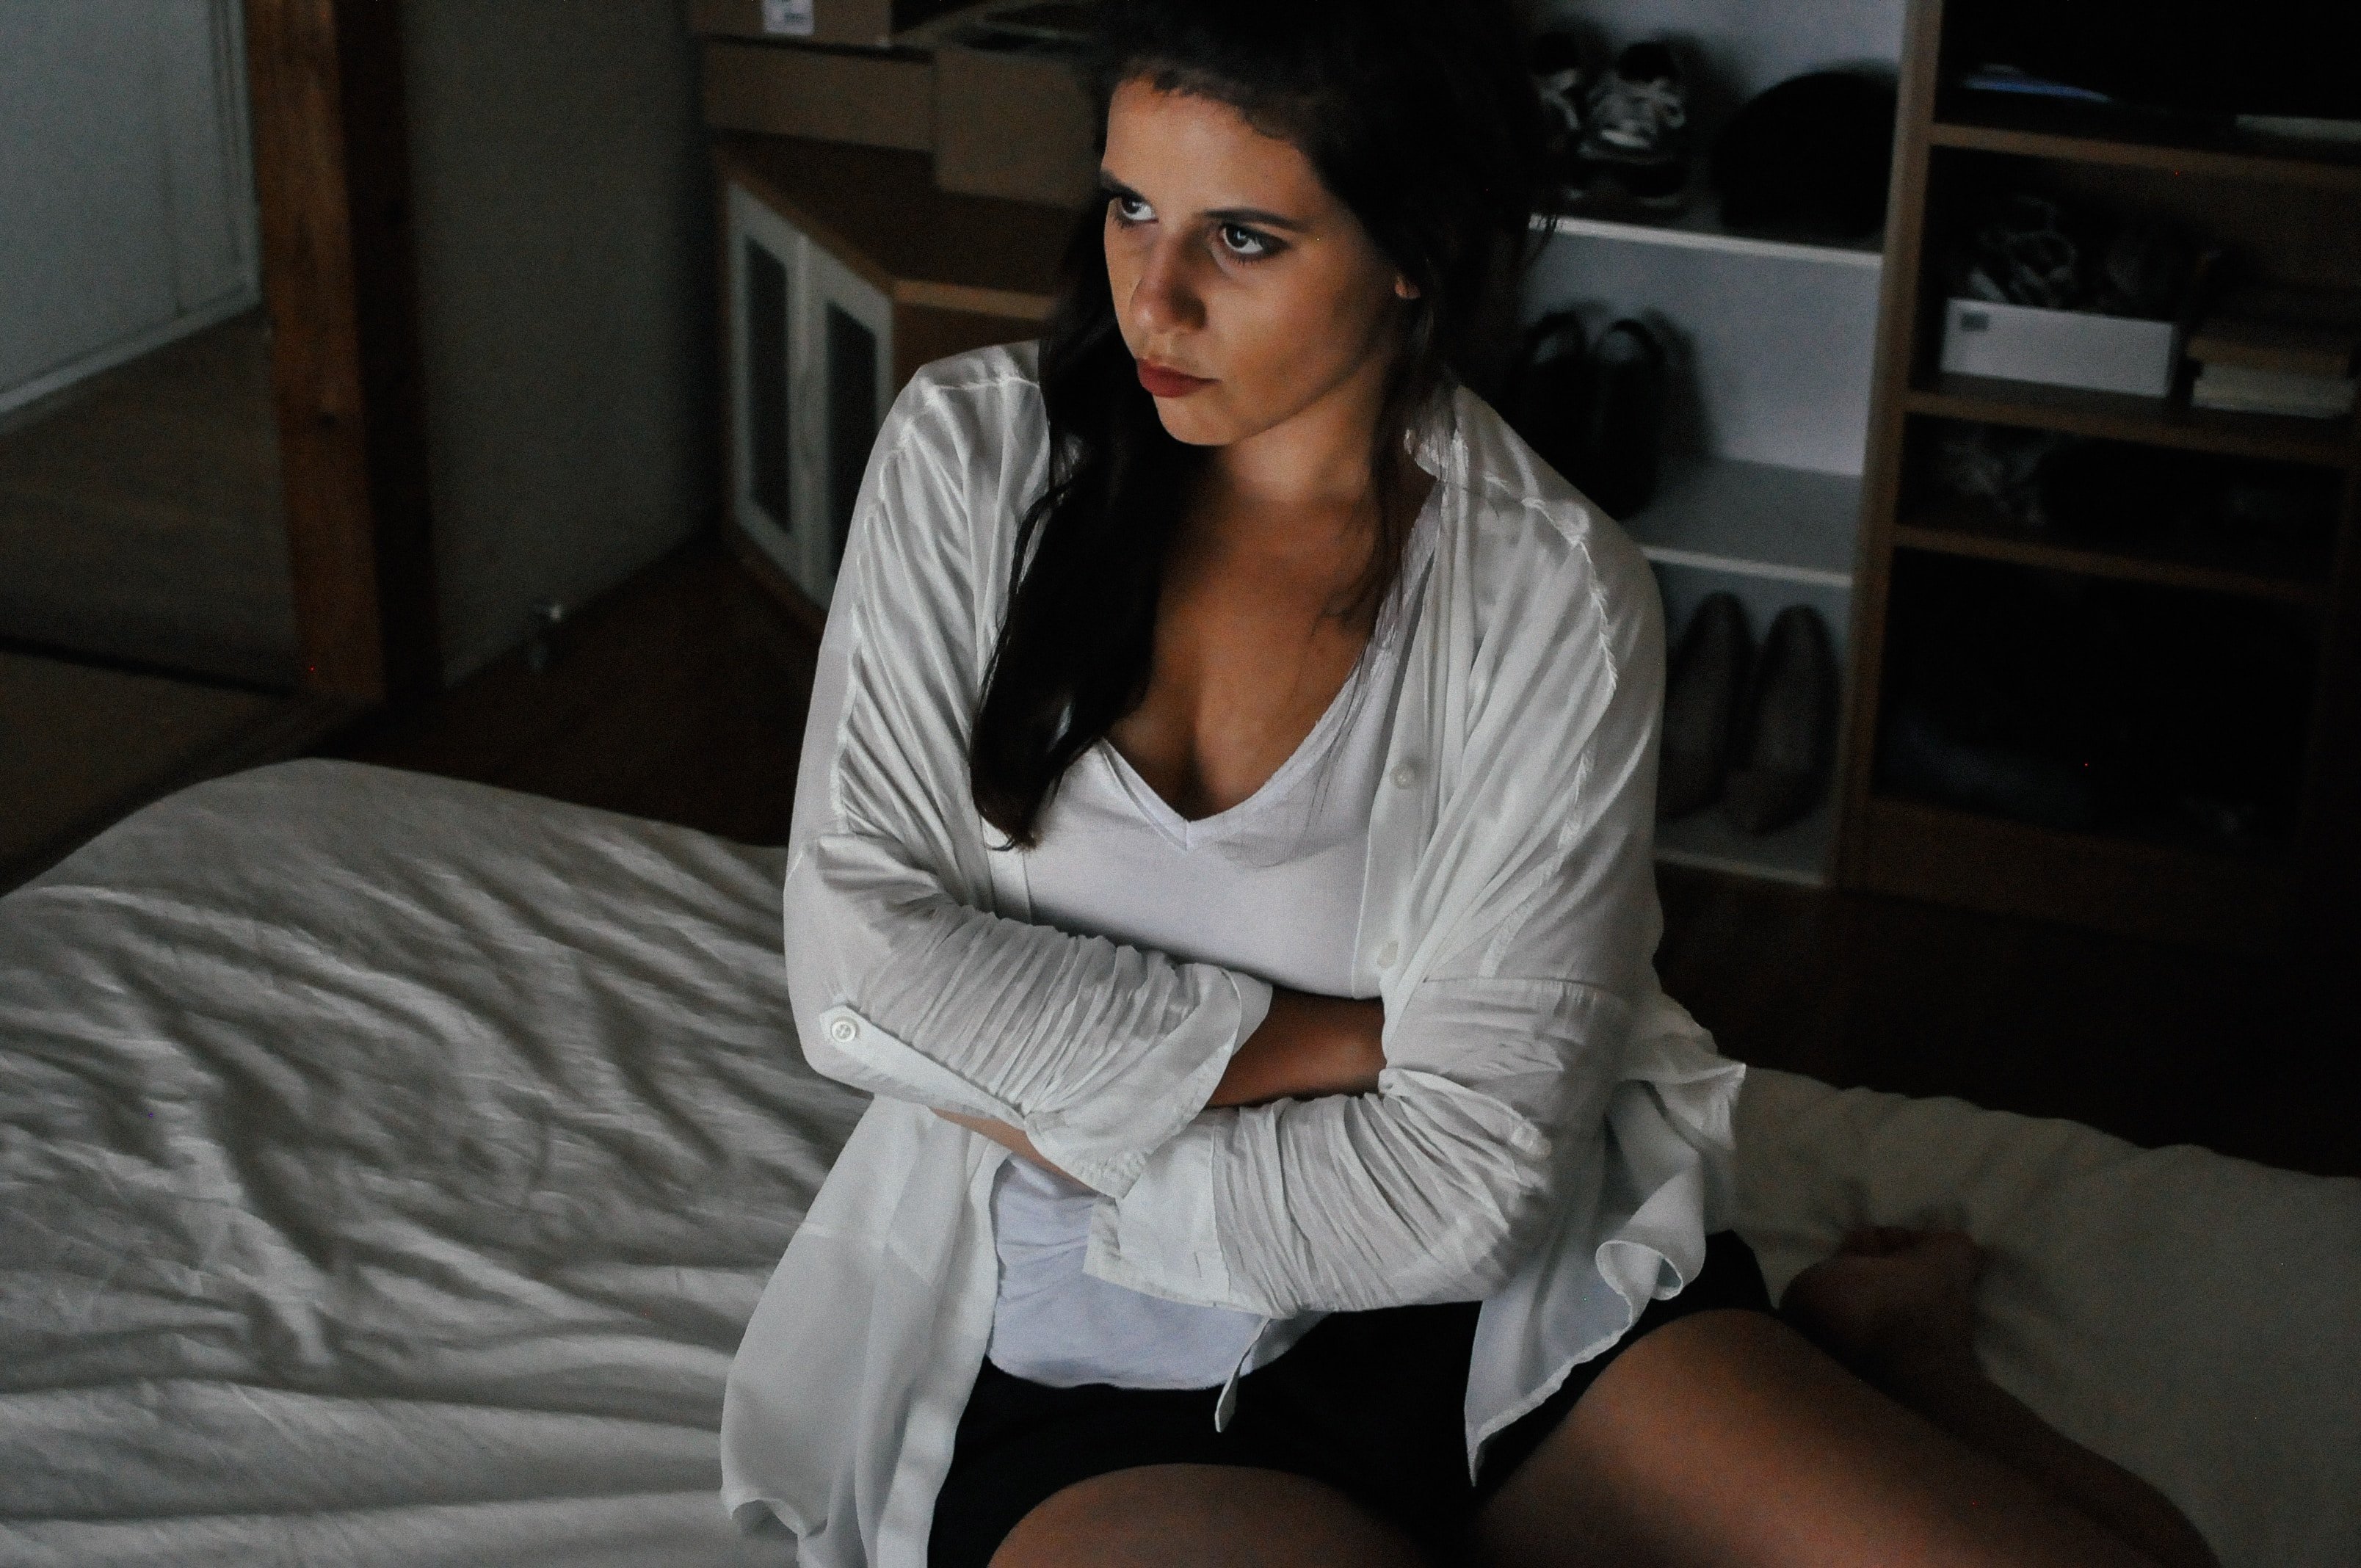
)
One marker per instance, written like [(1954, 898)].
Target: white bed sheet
[(388, 1167)]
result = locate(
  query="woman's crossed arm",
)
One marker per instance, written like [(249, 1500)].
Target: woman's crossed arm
[(1307, 1046)]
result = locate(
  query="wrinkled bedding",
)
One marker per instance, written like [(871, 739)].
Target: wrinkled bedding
[(388, 1167)]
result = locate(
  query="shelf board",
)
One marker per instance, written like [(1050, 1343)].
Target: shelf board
[(1700, 227), (1757, 519), (1799, 852), (2256, 162), (1966, 532), (879, 212), (2120, 416), (2156, 891)]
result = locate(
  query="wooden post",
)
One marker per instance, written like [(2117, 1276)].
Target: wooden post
[(332, 176)]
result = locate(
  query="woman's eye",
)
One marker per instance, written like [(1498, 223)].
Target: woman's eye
[(1249, 245), (1129, 210)]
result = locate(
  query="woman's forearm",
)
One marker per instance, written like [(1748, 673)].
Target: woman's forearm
[(1004, 1134), (1306, 1046)]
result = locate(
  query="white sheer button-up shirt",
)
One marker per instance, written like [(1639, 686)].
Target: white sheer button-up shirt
[(1550, 1134)]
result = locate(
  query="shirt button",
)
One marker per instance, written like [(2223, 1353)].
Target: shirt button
[(1389, 953), (1405, 775), (843, 1031)]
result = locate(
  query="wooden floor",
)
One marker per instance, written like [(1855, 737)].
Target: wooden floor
[(683, 698), (141, 518)]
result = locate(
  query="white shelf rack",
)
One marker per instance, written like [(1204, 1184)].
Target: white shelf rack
[(1752, 519), (1800, 852), (1700, 227)]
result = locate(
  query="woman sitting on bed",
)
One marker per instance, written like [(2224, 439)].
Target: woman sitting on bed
[(1223, 844)]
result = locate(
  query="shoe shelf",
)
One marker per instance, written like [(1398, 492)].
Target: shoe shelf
[(2312, 168), (1752, 519), (2120, 416), (1769, 346), (2160, 891), (1799, 852), (1700, 227), (2151, 864), (1965, 531)]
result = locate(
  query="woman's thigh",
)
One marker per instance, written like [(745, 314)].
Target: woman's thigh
[(1203, 1516), (1725, 1438)]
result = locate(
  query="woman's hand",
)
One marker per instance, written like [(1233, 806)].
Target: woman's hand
[(1307, 1046), (1004, 1134)]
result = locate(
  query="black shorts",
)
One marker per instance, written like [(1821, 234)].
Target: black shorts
[(1372, 1403)]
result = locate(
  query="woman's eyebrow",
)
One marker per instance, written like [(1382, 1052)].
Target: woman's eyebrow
[(1254, 215), (1257, 216)]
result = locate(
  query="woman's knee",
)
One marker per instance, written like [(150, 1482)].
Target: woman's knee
[(1200, 1515)]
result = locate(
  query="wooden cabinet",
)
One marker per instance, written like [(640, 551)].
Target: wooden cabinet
[(2214, 670), (844, 270)]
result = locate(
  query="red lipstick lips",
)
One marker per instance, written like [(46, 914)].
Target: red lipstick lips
[(1163, 383)]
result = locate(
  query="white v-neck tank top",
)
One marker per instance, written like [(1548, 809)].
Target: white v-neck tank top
[(1272, 886)]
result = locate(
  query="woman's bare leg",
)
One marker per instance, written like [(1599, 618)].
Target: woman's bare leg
[(1725, 1438), (1897, 1306), (1203, 1516)]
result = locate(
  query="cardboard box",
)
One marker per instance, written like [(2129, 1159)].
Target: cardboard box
[(871, 98), (869, 24), (1012, 120), (2062, 348)]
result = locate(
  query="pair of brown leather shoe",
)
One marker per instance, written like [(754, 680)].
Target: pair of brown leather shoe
[(1756, 731)]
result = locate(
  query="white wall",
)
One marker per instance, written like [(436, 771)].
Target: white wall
[(126, 185), (563, 224)]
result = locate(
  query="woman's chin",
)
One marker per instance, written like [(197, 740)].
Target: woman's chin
[(1194, 427)]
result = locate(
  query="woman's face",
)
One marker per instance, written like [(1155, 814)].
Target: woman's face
[(1248, 293)]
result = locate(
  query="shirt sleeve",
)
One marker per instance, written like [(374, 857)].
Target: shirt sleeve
[(1490, 1112), (1098, 1051)]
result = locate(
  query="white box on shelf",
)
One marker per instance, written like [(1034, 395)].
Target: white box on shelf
[(2063, 348)]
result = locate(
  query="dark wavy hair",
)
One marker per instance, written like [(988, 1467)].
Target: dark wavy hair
[(1421, 118)]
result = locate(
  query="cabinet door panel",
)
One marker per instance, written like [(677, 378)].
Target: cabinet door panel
[(844, 383)]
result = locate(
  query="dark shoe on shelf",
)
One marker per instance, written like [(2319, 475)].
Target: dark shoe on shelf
[(1810, 158), (1635, 126), (1548, 395), (1920, 754), (1781, 770), (1615, 461), (1702, 695)]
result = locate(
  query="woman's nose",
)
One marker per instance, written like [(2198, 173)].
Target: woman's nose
[(1166, 298)]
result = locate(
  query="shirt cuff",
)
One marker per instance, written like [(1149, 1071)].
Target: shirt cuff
[(1106, 1143), (1159, 1237), (884, 1064)]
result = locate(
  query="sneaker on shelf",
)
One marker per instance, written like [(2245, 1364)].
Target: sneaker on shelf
[(1635, 126), (1561, 81)]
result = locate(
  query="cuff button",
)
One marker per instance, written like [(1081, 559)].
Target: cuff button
[(843, 1031)]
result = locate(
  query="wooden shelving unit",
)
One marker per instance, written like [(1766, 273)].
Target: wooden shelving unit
[(2127, 876)]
